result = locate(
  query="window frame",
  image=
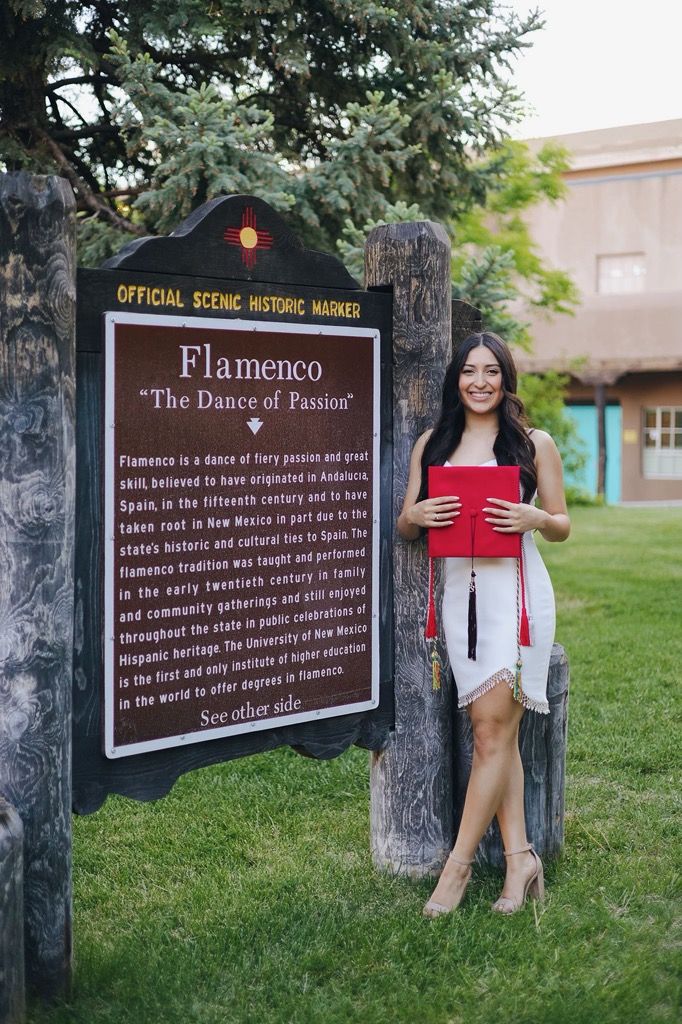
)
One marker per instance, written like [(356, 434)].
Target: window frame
[(662, 460), (635, 276)]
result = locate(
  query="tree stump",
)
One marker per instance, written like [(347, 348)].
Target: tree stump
[(37, 486)]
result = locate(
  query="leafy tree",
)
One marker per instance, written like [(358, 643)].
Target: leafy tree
[(496, 261), (327, 108), (543, 397), (497, 268), (496, 265)]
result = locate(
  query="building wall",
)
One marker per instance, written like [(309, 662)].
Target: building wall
[(635, 393), (624, 198), (612, 213)]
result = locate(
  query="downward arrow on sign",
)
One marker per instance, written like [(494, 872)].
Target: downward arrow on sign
[(254, 424)]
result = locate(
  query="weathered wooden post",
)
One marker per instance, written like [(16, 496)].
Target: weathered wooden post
[(37, 470), (12, 999), (411, 805)]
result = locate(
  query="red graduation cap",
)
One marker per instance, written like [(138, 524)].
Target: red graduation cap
[(470, 536)]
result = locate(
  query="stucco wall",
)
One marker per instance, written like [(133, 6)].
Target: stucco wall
[(624, 196)]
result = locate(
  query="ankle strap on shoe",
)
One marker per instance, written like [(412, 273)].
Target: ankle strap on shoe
[(459, 860), (524, 849)]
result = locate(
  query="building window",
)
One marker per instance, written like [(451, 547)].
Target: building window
[(662, 433), (621, 273)]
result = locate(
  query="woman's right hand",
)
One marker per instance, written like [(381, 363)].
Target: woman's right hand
[(430, 513), (433, 513)]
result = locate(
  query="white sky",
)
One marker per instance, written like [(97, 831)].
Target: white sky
[(600, 64)]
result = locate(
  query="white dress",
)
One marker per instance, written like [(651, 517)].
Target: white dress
[(497, 649)]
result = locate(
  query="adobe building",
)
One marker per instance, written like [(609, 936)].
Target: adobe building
[(619, 234)]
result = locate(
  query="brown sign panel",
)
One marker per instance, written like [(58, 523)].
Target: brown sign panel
[(241, 523)]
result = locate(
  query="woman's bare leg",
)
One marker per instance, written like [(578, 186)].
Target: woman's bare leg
[(512, 821), (495, 719)]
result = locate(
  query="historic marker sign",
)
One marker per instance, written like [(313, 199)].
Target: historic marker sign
[(234, 505), (241, 525)]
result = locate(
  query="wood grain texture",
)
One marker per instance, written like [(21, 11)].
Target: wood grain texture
[(466, 320), (37, 482), (411, 810), (12, 989), (542, 741)]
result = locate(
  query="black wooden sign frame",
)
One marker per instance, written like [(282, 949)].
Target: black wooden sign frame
[(233, 258)]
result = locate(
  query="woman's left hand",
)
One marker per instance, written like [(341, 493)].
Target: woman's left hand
[(510, 517)]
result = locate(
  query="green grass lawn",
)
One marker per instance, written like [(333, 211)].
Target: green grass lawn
[(248, 894)]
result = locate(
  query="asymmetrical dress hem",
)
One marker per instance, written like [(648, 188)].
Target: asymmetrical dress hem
[(504, 676)]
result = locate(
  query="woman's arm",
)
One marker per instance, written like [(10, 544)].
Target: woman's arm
[(555, 524), (552, 518), (418, 515)]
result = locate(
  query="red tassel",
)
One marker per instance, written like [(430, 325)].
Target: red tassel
[(431, 631), (524, 630)]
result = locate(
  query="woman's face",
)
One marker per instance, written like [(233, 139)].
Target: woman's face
[(480, 381)]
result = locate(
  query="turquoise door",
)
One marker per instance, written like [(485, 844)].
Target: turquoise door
[(585, 419)]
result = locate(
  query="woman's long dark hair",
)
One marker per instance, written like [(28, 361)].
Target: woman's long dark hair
[(513, 446)]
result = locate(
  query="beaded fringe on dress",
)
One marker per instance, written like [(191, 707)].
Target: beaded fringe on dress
[(504, 675)]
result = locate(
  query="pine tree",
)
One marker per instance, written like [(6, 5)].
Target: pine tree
[(329, 109)]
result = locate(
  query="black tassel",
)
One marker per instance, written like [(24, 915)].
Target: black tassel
[(473, 624)]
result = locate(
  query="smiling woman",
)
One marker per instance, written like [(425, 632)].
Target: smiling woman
[(482, 423)]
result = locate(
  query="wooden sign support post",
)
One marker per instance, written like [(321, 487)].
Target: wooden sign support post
[(412, 779), (37, 474)]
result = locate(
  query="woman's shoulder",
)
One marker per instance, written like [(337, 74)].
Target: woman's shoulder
[(543, 441), (422, 439), (539, 435), (419, 445)]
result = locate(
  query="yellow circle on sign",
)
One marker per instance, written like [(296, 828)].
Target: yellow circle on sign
[(248, 238)]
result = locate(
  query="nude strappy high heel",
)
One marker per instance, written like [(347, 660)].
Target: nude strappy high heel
[(535, 886), (433, 909)]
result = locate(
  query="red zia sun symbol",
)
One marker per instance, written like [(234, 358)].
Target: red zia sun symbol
[(248, 237)]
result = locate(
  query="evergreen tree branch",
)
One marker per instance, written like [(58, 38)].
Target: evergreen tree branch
[(85, 195)]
